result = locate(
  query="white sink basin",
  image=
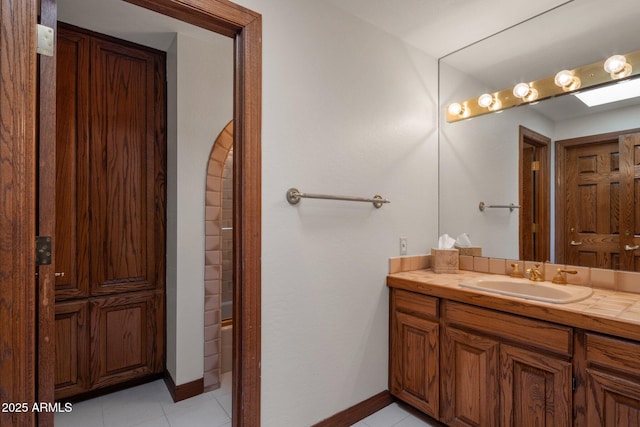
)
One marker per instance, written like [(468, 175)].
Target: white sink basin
[(527, 289)]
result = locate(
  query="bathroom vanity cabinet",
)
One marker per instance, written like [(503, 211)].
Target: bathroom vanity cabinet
[(469, 365)]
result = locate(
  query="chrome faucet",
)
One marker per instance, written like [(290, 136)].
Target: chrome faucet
[(535, 274)]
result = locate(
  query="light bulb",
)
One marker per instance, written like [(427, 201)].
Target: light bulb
[(563, 78), (455, 109), (521, 90), (567, 80), (617, 66), (485, 100), (614, 64)]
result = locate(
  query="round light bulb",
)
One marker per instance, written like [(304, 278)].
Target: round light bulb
[(455, 109), (564, 78), (485, 100), (521, 90), (614, 64)]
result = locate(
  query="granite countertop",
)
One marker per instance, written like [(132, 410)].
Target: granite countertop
[(610, 312)]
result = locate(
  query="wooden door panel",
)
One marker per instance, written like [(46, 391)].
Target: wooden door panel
[(71, 256), (415, 362), (612, 401), (72, 351), (470, 379), (630, 200), (126, 337), (123, 172), (593, 205), (535, 389)]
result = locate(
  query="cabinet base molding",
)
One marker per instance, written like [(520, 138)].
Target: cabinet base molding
[(183, 391), (358, 411)]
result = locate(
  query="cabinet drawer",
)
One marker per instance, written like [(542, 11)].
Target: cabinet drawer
[(414, 304), (530, 332), (613, 353)]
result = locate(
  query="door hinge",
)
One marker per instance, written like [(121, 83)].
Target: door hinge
[(43, 250), (573, 383), (45, 40), (534, 228), (535, 165)]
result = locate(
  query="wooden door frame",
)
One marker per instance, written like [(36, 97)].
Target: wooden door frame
[(245, 27), (543, 143), (20, 368), (562, 146)]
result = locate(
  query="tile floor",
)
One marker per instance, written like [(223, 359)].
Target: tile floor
[(150, 405)]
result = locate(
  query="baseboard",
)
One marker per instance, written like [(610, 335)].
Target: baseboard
[(183, 391), (359, 411)]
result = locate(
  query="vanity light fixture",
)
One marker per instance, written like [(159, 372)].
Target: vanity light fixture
[(567, 80), (615, 69), (617, 66), (525, 92)]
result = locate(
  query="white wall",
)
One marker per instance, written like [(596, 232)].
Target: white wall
[(607, 121), (347, 109), (200, 89), (479, 159)]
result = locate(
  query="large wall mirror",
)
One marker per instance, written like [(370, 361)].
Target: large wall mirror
[(581, 208)]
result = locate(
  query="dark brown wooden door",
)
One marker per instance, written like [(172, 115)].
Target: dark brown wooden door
[(470, 379), (602, 226), (534, 196), (535, 389), (110, 205), (630, 201)]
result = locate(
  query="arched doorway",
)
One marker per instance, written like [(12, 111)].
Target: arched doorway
[(218, 255)]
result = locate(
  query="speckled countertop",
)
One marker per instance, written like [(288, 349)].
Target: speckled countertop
[(610, 312)]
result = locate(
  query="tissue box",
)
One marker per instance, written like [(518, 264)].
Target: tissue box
[(473, 251), (444, 260)]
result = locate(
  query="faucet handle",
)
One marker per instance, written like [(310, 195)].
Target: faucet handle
[(559, 278), (516, 272)]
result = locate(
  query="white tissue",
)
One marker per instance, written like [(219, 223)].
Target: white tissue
[(463, 241), (446, 242)]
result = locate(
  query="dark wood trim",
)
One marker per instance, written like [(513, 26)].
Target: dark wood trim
[(544, 144), (245, 26), (561, 179), (46, 215), (18, 166), (183, 391), (358, 411)]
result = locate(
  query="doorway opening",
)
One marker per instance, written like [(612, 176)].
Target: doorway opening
[(218, 277), (534, 195), (245, 27)]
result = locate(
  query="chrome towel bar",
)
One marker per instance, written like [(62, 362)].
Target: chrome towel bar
[(294, 195), (482, 206)]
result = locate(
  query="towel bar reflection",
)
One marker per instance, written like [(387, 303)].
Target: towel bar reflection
[(294, 195), (482, 206)]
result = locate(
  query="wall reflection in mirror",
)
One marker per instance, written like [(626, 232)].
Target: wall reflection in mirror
[(574, 170)]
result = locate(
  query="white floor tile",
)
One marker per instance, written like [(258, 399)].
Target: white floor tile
[(83, 414), (386, 417), (412, 421), (209, 415)]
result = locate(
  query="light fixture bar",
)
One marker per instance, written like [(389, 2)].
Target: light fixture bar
[(589, 76)]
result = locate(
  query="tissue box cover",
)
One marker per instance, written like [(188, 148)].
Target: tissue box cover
[(444, 260), (473, 251)]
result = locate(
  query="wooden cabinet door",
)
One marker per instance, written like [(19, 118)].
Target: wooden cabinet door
[(72, 349), (126, 168), (470, 379), (415, 362), (535, 389), (612, 401), (126, 337)]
